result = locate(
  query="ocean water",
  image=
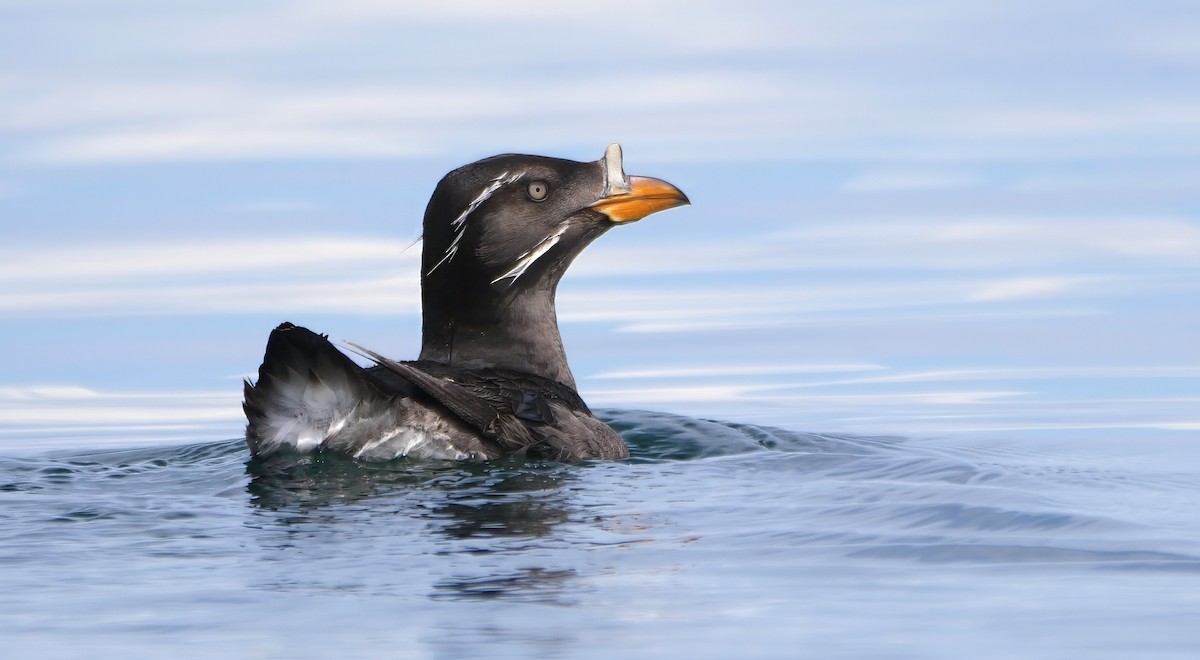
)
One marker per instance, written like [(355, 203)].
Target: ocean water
[(714, 540)]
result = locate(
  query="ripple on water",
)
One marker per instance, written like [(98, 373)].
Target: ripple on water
[(861, 497), (653, 436), (710, 530)]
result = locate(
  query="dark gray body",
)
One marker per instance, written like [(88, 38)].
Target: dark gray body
[(306, 388)]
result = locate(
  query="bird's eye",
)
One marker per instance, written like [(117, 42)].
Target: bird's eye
[(537, 190)]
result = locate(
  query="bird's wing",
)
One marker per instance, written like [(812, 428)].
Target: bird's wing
[(493, 423)]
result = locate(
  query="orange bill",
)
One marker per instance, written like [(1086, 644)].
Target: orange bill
[(645, 196)]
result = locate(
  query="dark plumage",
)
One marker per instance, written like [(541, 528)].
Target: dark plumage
[(492, 378)]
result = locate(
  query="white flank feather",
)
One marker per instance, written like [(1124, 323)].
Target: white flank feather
[(324, 410)]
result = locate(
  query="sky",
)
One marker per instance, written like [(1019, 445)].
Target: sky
[(916, 218)]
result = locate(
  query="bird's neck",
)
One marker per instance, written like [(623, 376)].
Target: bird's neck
[(520, 335)]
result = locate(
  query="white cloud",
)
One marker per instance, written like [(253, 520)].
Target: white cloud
[(893, 377), (1156, 238), (70, 406), (402, 80), (617, 30), (908, 180), (47, 392), (889, 316), (726, 395), (1048, 399), (1171, 41), (117, 122), (795, 303), (1023, 288), (981, 242), (246, 276), (1114, 178), (681, 307), (709, 371), (156, 260), (34, 418), (1038, 373), (812, 275), (384, 297), (1016, 245)]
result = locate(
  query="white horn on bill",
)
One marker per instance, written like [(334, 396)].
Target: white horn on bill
[(615, 181)]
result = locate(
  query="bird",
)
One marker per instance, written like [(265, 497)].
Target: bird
[(492, 378)]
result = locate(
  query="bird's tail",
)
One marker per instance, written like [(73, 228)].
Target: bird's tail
[(307, 391)]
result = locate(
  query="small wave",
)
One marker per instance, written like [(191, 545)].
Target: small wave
[(983, 553), (877, 497), (654, 436), (63, 468)]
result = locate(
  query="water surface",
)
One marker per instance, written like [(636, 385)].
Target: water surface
[(713, 540)]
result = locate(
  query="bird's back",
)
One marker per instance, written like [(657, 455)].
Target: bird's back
[(311, 396)]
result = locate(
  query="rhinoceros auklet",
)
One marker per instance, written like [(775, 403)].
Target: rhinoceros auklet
[(492, 378)]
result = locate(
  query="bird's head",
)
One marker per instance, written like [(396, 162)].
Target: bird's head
[(499, 234), (514, 223)]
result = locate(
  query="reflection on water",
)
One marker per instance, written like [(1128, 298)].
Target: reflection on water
[(531, 585), (509, 498), (517, 500)]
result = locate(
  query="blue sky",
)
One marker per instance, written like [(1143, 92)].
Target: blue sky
[(911, 218)]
